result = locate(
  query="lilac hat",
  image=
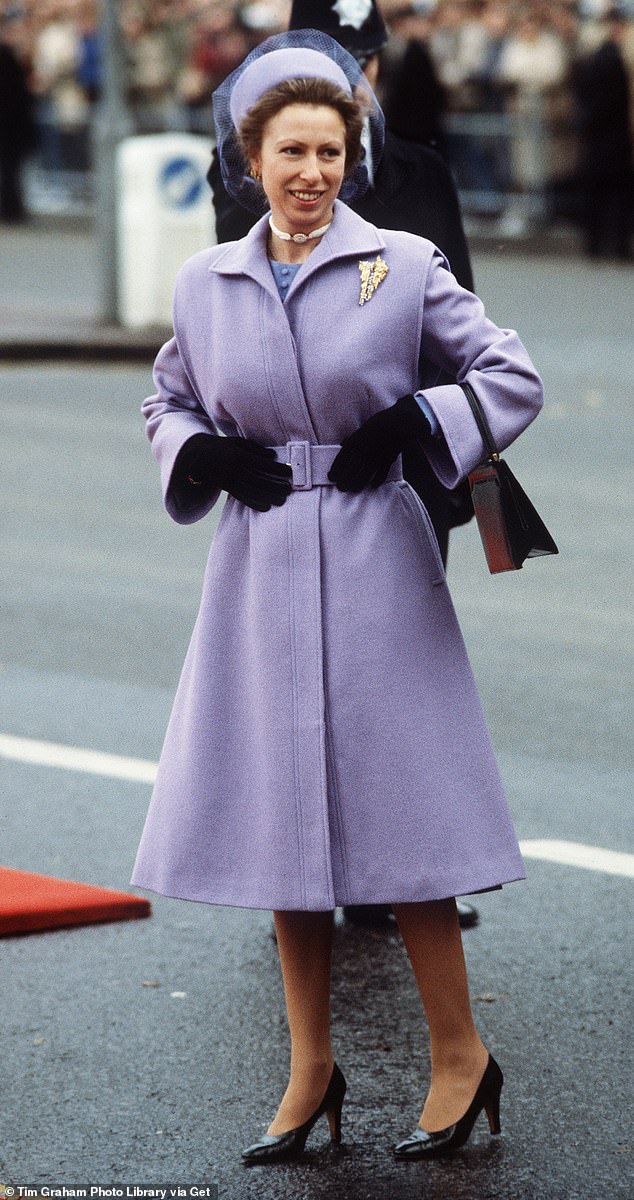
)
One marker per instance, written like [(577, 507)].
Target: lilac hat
[(270, 69), (296, 54)]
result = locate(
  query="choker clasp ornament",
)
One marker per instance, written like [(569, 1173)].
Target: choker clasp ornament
[(299, 238)]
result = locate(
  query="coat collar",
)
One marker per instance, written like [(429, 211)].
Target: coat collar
[(349, 236)]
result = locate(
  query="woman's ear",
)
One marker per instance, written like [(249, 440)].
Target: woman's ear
[(255, 170)]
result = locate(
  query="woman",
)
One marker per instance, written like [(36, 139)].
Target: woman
[(327, 744)]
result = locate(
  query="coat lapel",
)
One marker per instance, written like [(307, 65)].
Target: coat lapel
[(249, 257), (349, 236)]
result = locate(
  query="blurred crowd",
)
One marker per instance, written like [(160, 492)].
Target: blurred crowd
[(503, 87)]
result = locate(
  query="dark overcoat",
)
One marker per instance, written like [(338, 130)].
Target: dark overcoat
[(603, 102), (327, 744)]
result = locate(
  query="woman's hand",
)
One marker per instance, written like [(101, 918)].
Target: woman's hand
[(245, 469), (367, 455)]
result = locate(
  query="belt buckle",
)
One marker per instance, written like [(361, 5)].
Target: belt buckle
[(298, 458)]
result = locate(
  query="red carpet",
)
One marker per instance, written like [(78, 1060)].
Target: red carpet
[(29, 902)]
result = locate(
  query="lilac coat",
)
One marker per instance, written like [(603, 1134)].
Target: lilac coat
[(327, 744)]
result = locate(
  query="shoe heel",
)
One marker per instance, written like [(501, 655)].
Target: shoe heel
[(334, 1120), (492, 1109), (333, 1104)]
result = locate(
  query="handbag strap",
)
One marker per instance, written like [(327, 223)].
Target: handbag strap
[(481, 421)]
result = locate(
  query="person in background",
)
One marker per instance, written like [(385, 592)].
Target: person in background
[(150, 70), (89, 73), (562, 165), (411, 189), (17, 129), (61, 106), (606, 169), (490, 155), (413, 98), (532, 65), (89, 66), (456, 45)]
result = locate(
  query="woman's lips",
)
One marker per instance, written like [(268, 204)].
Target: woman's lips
[(307, 197)]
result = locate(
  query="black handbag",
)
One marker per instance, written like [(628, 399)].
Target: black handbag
[(510, 527)]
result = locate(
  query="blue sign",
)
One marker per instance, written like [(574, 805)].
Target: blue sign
[(180, 183)]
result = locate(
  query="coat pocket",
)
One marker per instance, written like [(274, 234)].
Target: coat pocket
[(418, 513)]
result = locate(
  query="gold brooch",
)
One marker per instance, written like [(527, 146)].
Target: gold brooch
[(372, 274)]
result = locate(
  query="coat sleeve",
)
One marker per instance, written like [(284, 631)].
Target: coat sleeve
[(173, 415), (458, 337)]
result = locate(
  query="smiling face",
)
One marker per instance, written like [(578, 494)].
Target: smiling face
[(301, 163)]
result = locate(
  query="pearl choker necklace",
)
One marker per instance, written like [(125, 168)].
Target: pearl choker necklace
[(298, 237)]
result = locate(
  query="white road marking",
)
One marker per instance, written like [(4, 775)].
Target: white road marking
[(73, 758), (575, 854), (142, 770)]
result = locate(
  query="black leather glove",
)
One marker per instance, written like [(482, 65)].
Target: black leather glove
[(244, 468), (367, 455)]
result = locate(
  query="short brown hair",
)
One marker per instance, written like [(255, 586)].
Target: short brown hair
[(303, 91)]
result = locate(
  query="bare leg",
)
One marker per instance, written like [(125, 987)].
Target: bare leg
[(304, 941), (431, 933)]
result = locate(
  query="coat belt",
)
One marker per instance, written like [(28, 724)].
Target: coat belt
[(311, 464)]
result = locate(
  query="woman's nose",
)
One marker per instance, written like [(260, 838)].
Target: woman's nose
[(310, 169)]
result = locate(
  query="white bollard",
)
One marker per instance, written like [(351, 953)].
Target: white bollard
[(164, 215)]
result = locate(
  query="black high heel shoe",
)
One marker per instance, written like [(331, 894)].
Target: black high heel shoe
[(422, 1144), (283, 1147)]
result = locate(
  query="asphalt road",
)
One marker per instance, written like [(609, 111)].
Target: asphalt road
[(108, 1080)]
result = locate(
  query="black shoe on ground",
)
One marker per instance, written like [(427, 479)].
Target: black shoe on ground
[(467, 914), (380, 916), (373, 916)]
